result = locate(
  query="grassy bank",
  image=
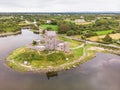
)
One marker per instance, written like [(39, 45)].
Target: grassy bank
[(9, 34)]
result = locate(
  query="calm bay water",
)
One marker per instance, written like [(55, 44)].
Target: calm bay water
[(100, 73)]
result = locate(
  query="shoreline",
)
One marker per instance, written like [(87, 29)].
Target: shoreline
[(9, 34), (63, 67), (89, 51)]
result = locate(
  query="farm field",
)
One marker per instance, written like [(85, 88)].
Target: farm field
[(84, 23), (104, 32), (98, 38), (54, 27)]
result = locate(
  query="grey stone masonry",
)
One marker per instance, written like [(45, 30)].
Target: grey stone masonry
[(53, 44), (51, 40)]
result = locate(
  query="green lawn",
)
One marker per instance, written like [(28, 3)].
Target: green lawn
[(103, 32), (54, 27), (73, 43), (78, 52), (39, 59)]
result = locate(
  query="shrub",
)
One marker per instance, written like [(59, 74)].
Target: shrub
[(56, 56), (107, 39), (34, 43)]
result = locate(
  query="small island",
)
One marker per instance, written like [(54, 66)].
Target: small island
[(47, 54), (52, 53)]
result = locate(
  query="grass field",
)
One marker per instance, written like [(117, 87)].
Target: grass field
[(84, 23), (104, 32), (99, 38), (6, 17), (76, 36), (98, 32), (73, 43), (41, 59), (78, 52), (54, 27), (38, 59)]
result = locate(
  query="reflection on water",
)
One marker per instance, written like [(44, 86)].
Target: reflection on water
[(51, 74), (36, 32), (100, 73)]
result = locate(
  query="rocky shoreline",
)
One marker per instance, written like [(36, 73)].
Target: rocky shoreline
[(62, 67)]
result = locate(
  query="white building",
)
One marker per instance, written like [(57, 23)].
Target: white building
[(48, 21), (81, 20)]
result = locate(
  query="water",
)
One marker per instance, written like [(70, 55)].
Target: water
[(100, 73)]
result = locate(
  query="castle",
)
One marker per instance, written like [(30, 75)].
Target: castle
[(50, 40), (53, 44)]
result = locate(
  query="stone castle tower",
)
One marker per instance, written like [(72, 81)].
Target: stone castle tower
[(50, 40)]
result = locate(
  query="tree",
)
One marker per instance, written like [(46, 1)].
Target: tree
[(34, 43), (43, 32), (53, 22), (83, 37), (107, 39), (63, 28), (70, 33), (90, 33), (49, 28), (79, 32)]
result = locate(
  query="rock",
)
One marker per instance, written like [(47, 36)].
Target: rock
[(68, 68), (67, 59), (74, 66), (25, 63)]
